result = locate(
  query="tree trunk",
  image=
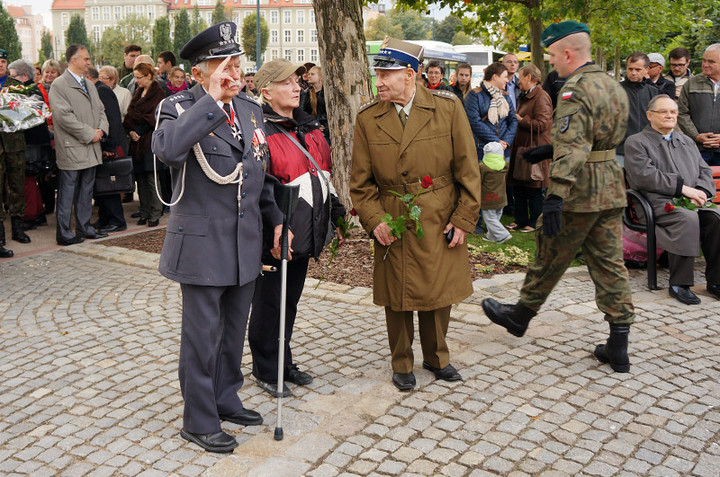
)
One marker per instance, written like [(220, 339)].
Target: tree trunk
[(346, 79), (616, 66), (536, 48)]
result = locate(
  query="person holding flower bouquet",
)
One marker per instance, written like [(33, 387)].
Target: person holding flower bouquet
[(666, 166), (415, 185)]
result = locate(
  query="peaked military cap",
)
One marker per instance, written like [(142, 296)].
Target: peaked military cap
[(218, 41), (3, 54), (557, 31), (397, 54)]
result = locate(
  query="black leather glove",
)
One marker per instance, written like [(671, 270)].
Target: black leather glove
[(552, 215), (538, 153)]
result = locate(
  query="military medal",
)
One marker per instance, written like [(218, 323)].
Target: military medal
[(260, 147), (231, 122)]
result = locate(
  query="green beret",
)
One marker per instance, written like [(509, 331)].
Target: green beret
[(556, 31), (3, 54)]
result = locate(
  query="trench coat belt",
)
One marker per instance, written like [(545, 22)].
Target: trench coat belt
[(602, 156), (413, 187)]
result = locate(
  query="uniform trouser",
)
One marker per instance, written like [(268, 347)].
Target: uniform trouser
[(264, 328), (110, 210), (75, 188), (150, 205), (214, 320), (12, 168), (599, 234), (682, 266), (433, 325)]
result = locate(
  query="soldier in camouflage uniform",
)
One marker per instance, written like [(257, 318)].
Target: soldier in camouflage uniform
[(12, 166), (586, 197)]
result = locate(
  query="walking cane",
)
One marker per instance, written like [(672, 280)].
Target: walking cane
[(286, 197)]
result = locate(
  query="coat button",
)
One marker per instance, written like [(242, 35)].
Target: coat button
[(242, 214), (245, 175), (211, 115), (214, 148), (180, 229), (312, 169), (243, 195), (404, 173), (317, 218)]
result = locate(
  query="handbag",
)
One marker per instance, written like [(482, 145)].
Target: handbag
[(331, 228), (115, 176), (522, 169)]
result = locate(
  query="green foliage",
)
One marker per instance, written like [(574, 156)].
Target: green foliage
[(249, 36), (161, 36), (220, 14), (112, 47), (182, 34), (46, 48), (9, 40), (461, 38), (380, 27), (76, 33), (446, 29), (412, 26), (197, 24)]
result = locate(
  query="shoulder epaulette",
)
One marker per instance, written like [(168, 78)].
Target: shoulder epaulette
[(366, 105), (444, 94), (248, 98), (180, 97)]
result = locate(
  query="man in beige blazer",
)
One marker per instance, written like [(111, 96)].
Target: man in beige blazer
[(80, 124)]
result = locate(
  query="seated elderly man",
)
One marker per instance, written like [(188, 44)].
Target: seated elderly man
[(663, 163)]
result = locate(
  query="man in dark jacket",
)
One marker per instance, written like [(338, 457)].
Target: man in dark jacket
[(639, 92), (655, 68)]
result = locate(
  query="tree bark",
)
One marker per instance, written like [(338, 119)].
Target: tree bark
[(346, 79), (536, 49)]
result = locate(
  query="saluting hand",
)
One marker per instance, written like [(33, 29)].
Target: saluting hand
[(220, 81)]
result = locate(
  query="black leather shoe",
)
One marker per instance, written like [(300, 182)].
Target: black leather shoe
[(684, 294), (448, 373), (142, 222), (153, 223), (614, 351), (112, 228), (514, 318), (135, 215), (404, 381), (95, 235), (71, 241), (18, 231), (295, 376), (220, 442), (714, 290), (271, 388), (244, 417), (5, 253)]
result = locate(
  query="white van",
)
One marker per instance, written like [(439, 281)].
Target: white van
[(479, 57)]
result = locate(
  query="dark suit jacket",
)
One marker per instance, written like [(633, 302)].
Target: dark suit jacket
[(209, 241), (116, 137)]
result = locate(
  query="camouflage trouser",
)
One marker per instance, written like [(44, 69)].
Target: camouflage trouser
[(12, 168), (600, 236)]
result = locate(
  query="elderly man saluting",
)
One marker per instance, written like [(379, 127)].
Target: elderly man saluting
[(664, 163), (212, 138), (405, 134)]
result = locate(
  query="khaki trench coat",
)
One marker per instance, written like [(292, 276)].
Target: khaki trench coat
[(418, 274)]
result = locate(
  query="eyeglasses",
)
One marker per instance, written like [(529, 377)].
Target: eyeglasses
[(139, 77), (677, 65), (664, 112)]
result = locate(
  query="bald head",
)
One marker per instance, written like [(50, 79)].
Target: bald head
[(570, 53)]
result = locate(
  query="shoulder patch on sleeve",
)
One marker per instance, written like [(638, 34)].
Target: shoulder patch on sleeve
[(366, 105)]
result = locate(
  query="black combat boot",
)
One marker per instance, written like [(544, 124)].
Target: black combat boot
[(614, 351), (18, 233), (4, 253), (514, 318)]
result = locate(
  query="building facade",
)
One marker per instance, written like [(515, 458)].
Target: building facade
[(29, 29)]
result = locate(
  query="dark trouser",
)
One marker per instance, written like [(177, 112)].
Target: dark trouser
[(527, 199), (599, 234), (47, 190), (75, 188), (165, 184), (681, 266), (711, 157), (110, 210), (264, 328), (433, 326), (12, 168), (150, 205), (214, 320)]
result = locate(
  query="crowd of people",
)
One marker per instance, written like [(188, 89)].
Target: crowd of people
[(215, 142)]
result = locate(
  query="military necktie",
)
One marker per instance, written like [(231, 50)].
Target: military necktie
[(403, 117)]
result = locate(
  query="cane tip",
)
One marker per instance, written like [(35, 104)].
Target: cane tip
[(278, 433)]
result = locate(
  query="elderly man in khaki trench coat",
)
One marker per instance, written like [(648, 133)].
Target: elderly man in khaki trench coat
[(408, 133)]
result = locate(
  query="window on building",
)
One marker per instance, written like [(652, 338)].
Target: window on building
[(64, 19), (313, 35), (274, 17), (312, 16), (301, 55), (313, 55), (287, 16), (106, 13), (248, 13), (274, 54), (140, 10), (288, 55), (300, 36), (300, 16), (274, 36), (288, 36), (96, 33), (151, 13), (118, 13), (95, 13), (128, 10)]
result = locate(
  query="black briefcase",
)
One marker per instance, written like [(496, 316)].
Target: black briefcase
[(115, 176)]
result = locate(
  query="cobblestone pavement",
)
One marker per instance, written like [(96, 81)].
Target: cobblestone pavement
[(89, 340)]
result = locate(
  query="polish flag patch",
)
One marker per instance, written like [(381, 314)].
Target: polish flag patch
[(567, 95)]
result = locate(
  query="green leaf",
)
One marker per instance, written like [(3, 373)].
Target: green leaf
[(419, 230), (414, 212), (408, 197)]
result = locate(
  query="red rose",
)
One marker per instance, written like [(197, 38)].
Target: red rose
[(426, 182), (669, 207), (353, 212)]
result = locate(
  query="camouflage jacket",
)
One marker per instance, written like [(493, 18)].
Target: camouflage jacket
[(591, 115), (12, 142)]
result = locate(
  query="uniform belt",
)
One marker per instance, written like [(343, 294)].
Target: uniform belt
[(602, 156), (414, 187)]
